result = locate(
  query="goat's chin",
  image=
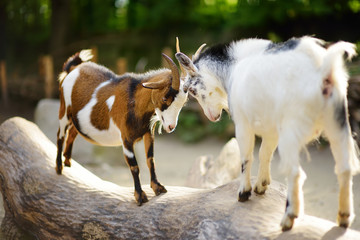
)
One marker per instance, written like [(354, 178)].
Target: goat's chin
[(168, 130), (214, 117)]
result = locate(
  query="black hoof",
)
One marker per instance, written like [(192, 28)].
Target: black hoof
[(160, 189), (67, 163), (58, 170), (141, 198), (244, 196)]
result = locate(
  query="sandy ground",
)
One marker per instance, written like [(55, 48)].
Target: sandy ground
[(174, 159)]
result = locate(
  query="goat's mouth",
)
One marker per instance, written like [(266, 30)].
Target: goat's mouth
[(169, 128), (213, 116)]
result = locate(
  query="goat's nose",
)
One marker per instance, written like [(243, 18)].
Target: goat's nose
[(171, 127)]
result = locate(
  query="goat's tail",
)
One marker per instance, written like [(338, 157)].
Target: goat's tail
[(335, 74), (333, 60), (73, 61)]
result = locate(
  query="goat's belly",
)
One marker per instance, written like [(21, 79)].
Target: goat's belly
[(263, 129), (109, 137), (105, 137)]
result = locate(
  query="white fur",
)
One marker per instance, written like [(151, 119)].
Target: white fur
[(86, 55), (68, 84), (128, 153), (171, 114), (279, 96), (108, 137), (110, 102)]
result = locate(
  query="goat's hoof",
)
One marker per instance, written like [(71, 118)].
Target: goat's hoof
[(158, 188), (287, 222), (67, 163), (244, 196), (58, 169), (261, 189), (141, 198), (343, 219)]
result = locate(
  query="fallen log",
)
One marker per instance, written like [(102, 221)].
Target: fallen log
[(79, 205)]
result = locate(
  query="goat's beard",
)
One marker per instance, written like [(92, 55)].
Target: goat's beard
[(153, 123)]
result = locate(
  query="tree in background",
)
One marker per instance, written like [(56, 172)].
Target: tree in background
[(137, 28)]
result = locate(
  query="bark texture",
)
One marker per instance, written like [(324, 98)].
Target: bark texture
[(79, 205)]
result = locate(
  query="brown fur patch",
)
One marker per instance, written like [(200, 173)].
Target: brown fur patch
[(156, 94), (120, 108), (68, 112), (89, 78), (100, 116), (62, 104)]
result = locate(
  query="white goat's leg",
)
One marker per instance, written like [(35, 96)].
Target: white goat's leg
[(246, 141), (343, 149), (267, 149), (289, 149), (346, 208)]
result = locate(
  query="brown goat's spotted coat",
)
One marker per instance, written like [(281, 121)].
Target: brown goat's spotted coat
[(112, 110)]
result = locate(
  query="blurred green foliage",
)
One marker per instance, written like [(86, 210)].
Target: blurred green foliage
[(30, 20), (137, 28)]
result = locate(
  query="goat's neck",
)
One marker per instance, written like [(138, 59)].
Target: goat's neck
[(144, 101)]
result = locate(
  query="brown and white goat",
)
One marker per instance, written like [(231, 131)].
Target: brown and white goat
[(112, 110)]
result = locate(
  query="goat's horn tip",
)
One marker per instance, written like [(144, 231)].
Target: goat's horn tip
[(165, 56)]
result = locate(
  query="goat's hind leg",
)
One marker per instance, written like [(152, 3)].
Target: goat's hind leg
[(61, 134), (71, 135), (246, 141), (343, 148), (289, 150)]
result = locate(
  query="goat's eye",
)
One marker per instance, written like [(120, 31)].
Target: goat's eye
[(164, 99), (193, 91)]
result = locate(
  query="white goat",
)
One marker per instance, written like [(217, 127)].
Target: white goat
[(111, 110), (287, 93)]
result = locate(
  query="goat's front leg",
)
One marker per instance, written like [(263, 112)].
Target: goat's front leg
[(246, 141), (149, 149), (267, 149), (128, 149)]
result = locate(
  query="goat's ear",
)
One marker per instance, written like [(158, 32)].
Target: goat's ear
[(156, 85), (186, 62)]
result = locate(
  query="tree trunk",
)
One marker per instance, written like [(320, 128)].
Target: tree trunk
[(60, 14), (79, 205)]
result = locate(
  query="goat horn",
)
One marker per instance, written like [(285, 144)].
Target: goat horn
[(197, 53), (177, 45), (175, 72), (183, 71)]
